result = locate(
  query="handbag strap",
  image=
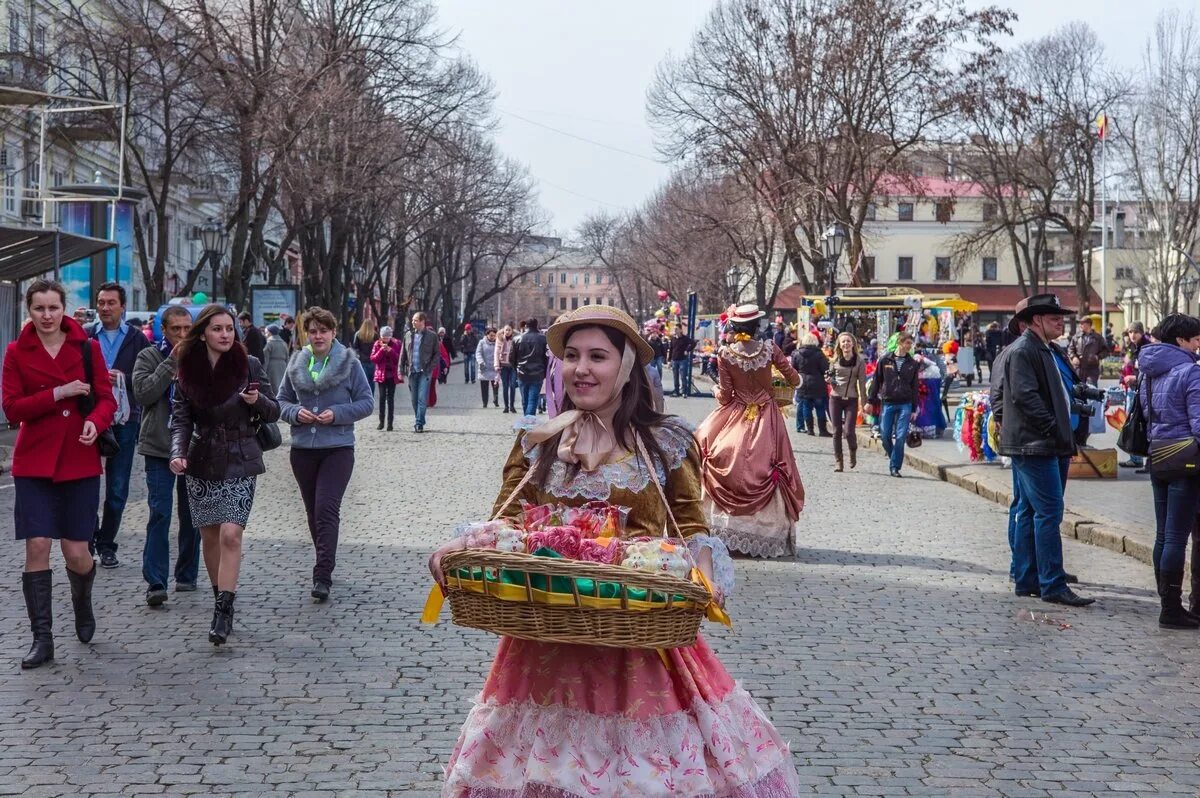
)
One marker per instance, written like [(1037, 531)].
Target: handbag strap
[(87, 402), (642, 452)]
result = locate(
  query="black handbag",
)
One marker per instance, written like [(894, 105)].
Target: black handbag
[(106, 442), (267, 434), (1171, 458), (1134, 437), (913, 441)]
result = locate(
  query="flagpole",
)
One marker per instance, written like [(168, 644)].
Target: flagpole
[(1104, 228)]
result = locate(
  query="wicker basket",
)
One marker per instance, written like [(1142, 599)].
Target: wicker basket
[(573, 617), (783, 395)]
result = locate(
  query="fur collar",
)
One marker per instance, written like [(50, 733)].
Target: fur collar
[(341, 360), (207, 386)]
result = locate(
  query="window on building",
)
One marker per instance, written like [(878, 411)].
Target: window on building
[(39, 41), (904, 270), (537, 278), (599, 279), (941, 269), (610, 302), (574, 303), (14, 30), (550, 302), (870, 217), (587, 279), (905, 212), (989, 211), (8, 165), (562, 303), (522, 280), (562, 278), (1123, 273), (869, 267), (944, 211), (989, 268), (574, 279)]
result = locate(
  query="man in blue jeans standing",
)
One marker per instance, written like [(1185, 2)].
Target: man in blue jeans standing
[(417, 360), (529, 357), (896, 385), (153, 389), (120, 343), (1035, 431)]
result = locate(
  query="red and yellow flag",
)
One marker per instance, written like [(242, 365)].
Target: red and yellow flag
[(1102, 125)]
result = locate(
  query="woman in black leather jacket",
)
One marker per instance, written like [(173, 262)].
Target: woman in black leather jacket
[(811, 363), (221, 394)]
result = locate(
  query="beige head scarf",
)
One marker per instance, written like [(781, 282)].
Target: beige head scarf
[(586, 439)]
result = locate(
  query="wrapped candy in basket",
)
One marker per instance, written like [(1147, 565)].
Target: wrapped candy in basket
[(566, 575)]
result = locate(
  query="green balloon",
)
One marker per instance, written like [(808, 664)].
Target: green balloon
[(199, 298)]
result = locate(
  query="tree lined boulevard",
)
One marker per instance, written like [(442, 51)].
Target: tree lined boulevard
[(890, 653)]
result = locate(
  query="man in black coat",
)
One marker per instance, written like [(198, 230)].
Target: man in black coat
[(252, 338), (468, 344), (120, 342), (528, 356), (1034, 414)]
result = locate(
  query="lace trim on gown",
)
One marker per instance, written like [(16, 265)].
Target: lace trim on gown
[(737, 354), (723, 576), (767, 533), (524, 750), (627, 474)]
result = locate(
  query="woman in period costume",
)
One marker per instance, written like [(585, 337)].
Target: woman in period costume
[(752, 490), (574, 721)]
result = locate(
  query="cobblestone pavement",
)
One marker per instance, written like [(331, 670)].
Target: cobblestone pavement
[(889, 652)]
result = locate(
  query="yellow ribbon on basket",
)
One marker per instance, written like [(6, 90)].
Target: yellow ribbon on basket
[(433, 604)]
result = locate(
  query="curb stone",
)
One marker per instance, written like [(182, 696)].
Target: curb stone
[(1096, 532)]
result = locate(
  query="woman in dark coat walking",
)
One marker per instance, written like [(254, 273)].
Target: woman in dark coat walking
[(56, 464), (222, 395), (811, 363)]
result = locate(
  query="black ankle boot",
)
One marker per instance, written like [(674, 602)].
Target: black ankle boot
[(81, 600), (222, 623), (380, 424), (1173, 616), (36, 586)]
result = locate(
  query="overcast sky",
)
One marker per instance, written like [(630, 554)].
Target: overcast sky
[(567, 70)]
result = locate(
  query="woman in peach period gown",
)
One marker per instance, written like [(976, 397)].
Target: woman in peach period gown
[(752, 490), (576, 721)]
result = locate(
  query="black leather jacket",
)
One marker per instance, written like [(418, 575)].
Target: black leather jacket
[(1034, 412), (218, 441), (897, 386), (529, 356)]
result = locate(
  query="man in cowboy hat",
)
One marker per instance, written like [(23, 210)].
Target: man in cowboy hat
[(1035, 431)]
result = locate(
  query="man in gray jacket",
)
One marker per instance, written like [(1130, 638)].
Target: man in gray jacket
[(416, 360), (153, 385)]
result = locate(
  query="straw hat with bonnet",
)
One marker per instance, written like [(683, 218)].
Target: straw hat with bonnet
[(598, 316)]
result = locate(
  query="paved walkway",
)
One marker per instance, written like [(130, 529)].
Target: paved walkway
[(890, 652)]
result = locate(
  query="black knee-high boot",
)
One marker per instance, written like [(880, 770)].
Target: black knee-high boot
[(81, 601), (37, 588)]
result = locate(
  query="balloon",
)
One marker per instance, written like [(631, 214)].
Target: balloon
[(659, 313), (199, 298), (724, 318), (662, 295), (675, 308)]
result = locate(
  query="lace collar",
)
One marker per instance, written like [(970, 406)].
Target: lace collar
[(746, 356), (626, 474)]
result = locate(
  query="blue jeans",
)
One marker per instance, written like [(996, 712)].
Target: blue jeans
[(508, 379), (531, 391), (1037, 540), (657, 365), (806, 406), (469, 365), (116, 486), (162, 490), (679, 370), (1175, 504), (418, 386), (893, 427)]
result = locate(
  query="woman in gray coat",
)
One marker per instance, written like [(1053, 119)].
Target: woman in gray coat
[(275, 356), (485, 362), (324, 392)]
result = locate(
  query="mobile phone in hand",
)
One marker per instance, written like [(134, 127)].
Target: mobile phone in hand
[(252, 387)]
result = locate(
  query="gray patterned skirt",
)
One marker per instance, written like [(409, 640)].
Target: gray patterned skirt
[(226, 501)]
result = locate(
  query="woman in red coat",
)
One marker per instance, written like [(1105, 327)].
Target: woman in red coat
[(56, 466)]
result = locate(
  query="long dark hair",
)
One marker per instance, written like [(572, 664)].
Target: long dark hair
[(197, 376), (635, 415)]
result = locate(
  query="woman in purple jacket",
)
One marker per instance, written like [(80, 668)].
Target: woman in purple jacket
[(1171, 382)]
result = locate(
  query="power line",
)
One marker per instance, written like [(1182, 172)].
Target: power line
[(581, 196), (579, 138)]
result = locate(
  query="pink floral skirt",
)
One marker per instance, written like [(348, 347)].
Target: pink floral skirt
[(561, 721)]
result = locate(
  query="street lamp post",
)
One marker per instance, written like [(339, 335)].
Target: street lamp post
[(215, 241), (833, 240), (1188, 286), (733, 282)]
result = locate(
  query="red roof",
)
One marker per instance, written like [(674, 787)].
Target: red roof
[(990, 298)]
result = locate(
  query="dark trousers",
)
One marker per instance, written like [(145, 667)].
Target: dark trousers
[(483, 390), (323, 475), (844, 414), (164, 489), (508, 378), (679, 368), (387, 401), (1175, 504), (116, 487), (806, 407)]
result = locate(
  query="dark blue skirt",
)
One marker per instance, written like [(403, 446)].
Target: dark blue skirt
[(44, 508)]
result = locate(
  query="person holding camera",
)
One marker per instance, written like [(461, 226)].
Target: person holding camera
[(1036, 433), (1170, 394)]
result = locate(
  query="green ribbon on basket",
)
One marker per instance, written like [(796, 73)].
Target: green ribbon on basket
[(562, 584)]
